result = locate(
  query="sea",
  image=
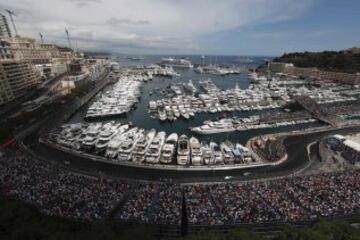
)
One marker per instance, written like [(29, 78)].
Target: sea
[(140, 117)]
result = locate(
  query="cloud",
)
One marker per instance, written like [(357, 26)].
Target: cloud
[(319, 33), (290, 34), (271, 35), (149, 24), (83, 3), (120, 21)]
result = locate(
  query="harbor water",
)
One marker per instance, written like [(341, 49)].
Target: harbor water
[(140, 117)]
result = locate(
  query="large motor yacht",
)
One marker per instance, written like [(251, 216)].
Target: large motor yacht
[(176, 63), (106, 135), (196, 152), (226, 148), (183, 155), (88, 143), (153, 153), (208, 157), (168, 150), (114, 144), (142, 146), (216, 151), (211, 127), (126, 147)]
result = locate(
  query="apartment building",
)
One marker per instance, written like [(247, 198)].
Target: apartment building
[(16, 78), (27, 49), (4, 27)]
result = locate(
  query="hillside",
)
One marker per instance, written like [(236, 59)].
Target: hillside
[(342, 61)]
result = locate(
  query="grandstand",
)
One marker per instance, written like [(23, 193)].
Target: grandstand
[(348, 149), (176, 209), (316, 110)]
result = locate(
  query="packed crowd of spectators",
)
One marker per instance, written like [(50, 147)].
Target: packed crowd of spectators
[(153, 203), (58, 192), (200, 206), (284, 200), (249, 207)]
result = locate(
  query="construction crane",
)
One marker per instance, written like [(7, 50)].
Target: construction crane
[(11, 14), (41, 38), (67, 63), (68, 37)]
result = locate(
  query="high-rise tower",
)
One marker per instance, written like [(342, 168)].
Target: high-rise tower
[(4, 27)]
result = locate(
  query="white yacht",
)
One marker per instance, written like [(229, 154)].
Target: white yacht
[(152, 106), (207, 156), (106, 135), (168, 150), (211, 127), (72, 135), (245, 153), (126, 147), (190, 86), (199, 69), (114, 143), (183, 153), (142, 146), (184, 113), (191, 112), (176, 63), (226, 148), (162, 115), (216, 151), (88, 143), (176, 90), (153, 153), (196, 152), (176, 112), (119, 99)]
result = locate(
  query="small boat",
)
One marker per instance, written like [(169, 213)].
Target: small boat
[(176, 113), (162, 115), (190, 87), (199, 69)]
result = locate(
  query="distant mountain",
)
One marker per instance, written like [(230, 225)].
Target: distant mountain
[(89, 53), (343, 61)]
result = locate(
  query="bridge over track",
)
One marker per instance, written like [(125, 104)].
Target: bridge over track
[(316, 110)]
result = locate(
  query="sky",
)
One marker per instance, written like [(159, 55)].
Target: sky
[(218, 27)]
